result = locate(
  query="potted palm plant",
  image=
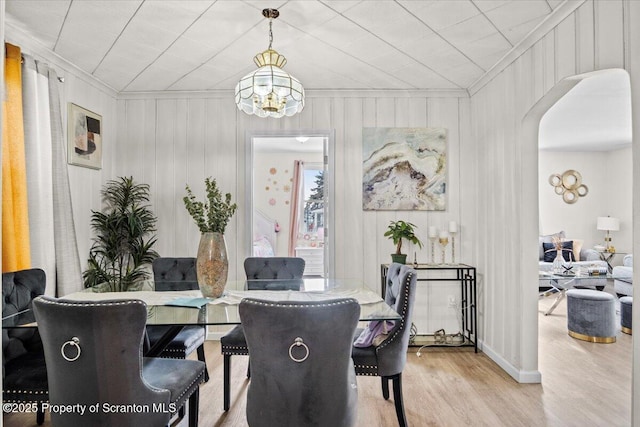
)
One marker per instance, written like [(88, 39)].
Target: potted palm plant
[(211, 217), (399, 231), (122, 250)]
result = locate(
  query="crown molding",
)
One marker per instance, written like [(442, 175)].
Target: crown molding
[(553, 20), (311, 93), (31, 46)]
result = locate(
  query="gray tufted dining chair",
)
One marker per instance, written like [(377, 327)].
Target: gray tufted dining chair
[(93, 352), (389, 358), (300, 353), (178, 274), (262, 273), (24, 372)]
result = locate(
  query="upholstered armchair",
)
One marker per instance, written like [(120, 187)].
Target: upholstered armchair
[(387, 360), (262, 273), (178, 274), (623, 277), (93, 352), (300, 353), (24, 372)]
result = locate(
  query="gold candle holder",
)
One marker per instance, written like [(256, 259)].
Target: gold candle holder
[(453, 248), (433, 239), (444, 241)]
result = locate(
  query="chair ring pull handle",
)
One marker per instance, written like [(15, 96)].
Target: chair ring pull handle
[(73, 342), (298, 343)]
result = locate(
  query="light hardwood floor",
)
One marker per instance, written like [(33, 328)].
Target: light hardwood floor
[(583, 384)]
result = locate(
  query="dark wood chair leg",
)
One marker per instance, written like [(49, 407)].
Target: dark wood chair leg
[(194, 401), (200, 351), (248, 370), (385, 387), (226, 380), (397, 398), (181, 412), (40, 414)]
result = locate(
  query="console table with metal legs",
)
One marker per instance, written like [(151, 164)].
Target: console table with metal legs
[(466, 276)]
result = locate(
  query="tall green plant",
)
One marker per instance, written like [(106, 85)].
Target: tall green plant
[(122, 246), (214, 214)]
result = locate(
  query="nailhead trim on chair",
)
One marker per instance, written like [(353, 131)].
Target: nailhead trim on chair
[(275, 304), (402, 319), (198, 380), (26, 392), (94, 304), (235, 350)]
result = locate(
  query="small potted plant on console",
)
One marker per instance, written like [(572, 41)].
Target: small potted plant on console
[(397, 231)]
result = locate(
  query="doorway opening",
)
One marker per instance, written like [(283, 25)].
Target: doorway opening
[(536, 181), (289, 209)]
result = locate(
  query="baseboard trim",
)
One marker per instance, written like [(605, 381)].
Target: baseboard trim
[(523, 377)]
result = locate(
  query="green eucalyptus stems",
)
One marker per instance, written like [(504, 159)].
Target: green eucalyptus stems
[(214, 214)]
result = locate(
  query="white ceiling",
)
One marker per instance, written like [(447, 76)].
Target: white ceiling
[(199, 45), (168, 45), (298, 144), (593, 116)]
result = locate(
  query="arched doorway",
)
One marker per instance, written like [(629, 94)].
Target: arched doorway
[(530, 135)]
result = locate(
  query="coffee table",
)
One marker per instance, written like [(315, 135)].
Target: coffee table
[(551, 283)]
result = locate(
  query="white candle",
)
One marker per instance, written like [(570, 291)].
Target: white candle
[(444, 234), (433, 231), (453, 227)]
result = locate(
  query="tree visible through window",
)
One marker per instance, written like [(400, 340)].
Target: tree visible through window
[(313, 212)]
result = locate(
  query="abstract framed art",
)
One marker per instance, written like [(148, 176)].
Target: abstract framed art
[(84, 137), (404, 169)]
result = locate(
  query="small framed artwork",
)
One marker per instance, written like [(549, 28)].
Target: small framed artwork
[(84, 137)]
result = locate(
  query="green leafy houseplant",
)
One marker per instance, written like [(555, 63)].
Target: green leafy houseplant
[(121, 252), (214, 214), (399, 230)]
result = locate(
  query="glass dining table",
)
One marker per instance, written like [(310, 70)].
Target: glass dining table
[(183, 308)]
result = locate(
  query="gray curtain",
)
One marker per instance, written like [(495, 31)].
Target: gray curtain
[(53, 237), (68, 272)]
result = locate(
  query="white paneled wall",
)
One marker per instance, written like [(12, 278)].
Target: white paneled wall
[(168, 142), (594, 37)]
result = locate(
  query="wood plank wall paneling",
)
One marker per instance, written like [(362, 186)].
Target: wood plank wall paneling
[(593, 37), (170, 142)]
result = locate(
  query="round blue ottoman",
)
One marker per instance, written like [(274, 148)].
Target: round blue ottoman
[(625, 314), (591, 315)]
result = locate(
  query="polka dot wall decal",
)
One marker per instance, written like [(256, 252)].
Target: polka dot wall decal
[(273, 171), (275, 182), (286, 188), (272, 202), (286, 202), (267, 188)]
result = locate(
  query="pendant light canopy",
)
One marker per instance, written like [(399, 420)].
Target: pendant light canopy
[(270, 91)]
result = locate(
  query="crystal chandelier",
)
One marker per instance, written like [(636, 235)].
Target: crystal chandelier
[(270, 91)]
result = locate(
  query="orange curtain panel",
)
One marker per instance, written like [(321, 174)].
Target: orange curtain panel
[(15, 216)]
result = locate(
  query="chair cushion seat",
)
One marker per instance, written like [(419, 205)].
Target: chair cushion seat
[(187, 340), (26, 379), (234, 342), (180, 377), (365, 360)]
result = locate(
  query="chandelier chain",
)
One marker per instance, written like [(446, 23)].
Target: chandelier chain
[(270, 32)]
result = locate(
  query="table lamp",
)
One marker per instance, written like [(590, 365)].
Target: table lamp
[(607, 223)]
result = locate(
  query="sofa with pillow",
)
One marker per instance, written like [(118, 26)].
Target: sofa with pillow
[(574, 252), (623, 277)]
